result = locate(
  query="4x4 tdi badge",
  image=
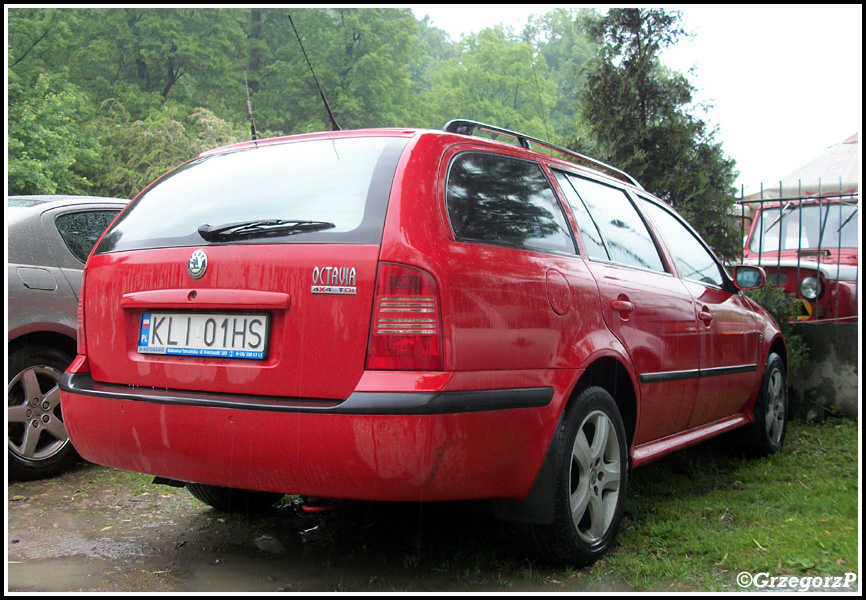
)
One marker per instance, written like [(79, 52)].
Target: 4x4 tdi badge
[(197, 264), (334, 280)]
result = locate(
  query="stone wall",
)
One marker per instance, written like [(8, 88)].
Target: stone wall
[(829, 379)]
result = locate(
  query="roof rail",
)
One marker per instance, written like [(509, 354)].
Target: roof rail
[(467, 127)]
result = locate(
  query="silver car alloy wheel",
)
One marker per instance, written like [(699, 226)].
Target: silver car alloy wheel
[(775, 417), (36, 431), (594, 478)]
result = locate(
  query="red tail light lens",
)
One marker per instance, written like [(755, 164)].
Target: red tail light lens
[(406, 333), (79, 321)]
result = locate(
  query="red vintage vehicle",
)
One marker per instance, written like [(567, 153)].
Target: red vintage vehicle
[(810, 247)]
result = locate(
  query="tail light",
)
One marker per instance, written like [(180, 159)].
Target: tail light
[(406, 332), (79, 324)]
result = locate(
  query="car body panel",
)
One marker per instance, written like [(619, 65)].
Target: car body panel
[(520, 329), (43, 276), (49, 238), (658, 328), (332, 329), (730, 351), (369, 457)]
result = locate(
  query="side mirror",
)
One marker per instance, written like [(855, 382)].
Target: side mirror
[(749, 278)]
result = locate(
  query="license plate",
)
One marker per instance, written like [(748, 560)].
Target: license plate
[(197, 334)]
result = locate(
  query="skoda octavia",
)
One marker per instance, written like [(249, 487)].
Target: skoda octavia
[(415, 315)]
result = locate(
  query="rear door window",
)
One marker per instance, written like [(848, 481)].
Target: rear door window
[(609, 223), (505, 201)]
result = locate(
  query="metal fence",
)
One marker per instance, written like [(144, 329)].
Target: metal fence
[(808, 242)]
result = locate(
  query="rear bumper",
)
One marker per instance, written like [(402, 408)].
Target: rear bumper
[(406, 446)]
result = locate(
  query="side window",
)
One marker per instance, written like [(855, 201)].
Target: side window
[(80, 230), (504, 201), (693, 259), (588, 231), (610, 224)]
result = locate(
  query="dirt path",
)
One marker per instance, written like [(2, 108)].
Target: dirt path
[(102, 530)]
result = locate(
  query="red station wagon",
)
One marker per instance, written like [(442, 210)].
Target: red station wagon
[(415, 315)]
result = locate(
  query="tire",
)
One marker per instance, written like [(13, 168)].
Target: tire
[(766, 434), (226, 499), (39, 446), (591, 474)]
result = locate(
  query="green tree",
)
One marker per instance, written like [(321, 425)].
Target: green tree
[(637, 113), (192, 55), (561, 38), (49, 150), (137, 151), (34, 36), (104, 99), (497, 79), (360, 58)]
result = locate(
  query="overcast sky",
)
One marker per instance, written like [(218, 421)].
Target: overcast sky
[(785, 83)]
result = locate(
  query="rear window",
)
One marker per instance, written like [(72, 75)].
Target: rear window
[(504, 201), (80, 230), (343, 182)]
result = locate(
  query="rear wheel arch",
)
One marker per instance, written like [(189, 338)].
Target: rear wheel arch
[(612, 375), (608, 373), (778, 346), (580, 493), (51, 339)]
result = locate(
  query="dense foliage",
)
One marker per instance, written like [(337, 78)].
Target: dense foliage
[(103, 100), (784, 308), (637, 116)]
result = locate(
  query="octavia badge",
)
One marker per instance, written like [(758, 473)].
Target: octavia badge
[(197, 264)]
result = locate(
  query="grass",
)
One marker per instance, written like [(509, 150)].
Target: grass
[(693, 521), (697, 518)]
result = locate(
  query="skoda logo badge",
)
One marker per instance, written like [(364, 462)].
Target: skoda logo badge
[(197, 264)]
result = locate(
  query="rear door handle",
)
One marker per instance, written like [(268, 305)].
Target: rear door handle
[(622, 306)]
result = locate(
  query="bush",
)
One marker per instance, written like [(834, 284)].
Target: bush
[(784, 308), (49, 150)]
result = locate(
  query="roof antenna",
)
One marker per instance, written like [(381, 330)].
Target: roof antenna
[(334, 126), (250, 107)]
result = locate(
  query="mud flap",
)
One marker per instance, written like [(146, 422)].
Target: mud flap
[(537, 507)]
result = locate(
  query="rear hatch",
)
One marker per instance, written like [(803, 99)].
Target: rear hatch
[(250, 271)]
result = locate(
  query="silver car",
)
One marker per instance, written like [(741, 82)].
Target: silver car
[(49, 240)]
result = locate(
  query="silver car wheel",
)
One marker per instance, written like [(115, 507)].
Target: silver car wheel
[(775, 419), (594, 478), (36, 430)]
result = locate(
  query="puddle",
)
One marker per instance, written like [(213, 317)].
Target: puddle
[(56, 575), (270, 544), (98, 529)]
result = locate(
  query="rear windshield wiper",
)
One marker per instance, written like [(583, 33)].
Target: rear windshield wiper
[(261, 228)]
